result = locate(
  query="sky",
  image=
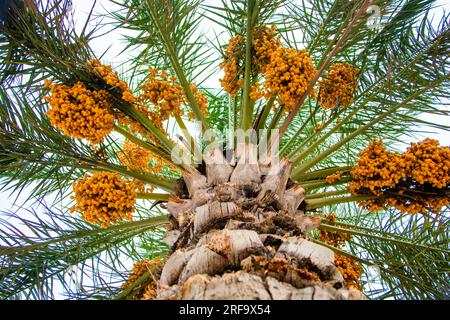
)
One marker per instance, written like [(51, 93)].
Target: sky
[(114, 40)]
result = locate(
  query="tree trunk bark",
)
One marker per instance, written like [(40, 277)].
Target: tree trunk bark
[(241, 235)]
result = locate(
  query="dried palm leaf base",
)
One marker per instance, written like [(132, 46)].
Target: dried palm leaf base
[(241, 235)]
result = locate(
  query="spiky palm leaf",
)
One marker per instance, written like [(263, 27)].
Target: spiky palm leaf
[(404, 75)]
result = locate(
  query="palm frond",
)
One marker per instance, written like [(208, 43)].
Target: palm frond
[(409, 253), (40, 42), (38, 248)]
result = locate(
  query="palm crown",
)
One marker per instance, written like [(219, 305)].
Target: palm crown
[(339, 91)]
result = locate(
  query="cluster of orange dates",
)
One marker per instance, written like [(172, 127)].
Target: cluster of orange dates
[(415, 181), (348, 267), (339, 86), (104, 198), (147, 290), (86, 113), (79, 112), (287, 72)]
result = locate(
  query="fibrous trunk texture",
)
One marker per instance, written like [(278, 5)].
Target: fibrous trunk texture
[(241, 235)]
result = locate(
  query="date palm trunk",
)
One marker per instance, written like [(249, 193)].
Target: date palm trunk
[(239, 232)]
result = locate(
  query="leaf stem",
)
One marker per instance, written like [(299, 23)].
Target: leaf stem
[(276, 118), (327, 61), (323, 173), (369, 263), (247, 105), (321, 183), (193, 145), (146, 145), (262, 118), (310, 138), (156, 181), (154, 196), (322, 202), (176, 65), (152, 128), (326, 194), (393, 240), (149, 222), (299, 131)]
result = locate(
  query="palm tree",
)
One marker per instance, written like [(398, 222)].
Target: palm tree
[(234, 223)]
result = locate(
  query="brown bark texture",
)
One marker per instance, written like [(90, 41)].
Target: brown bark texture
[(241, 235)]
